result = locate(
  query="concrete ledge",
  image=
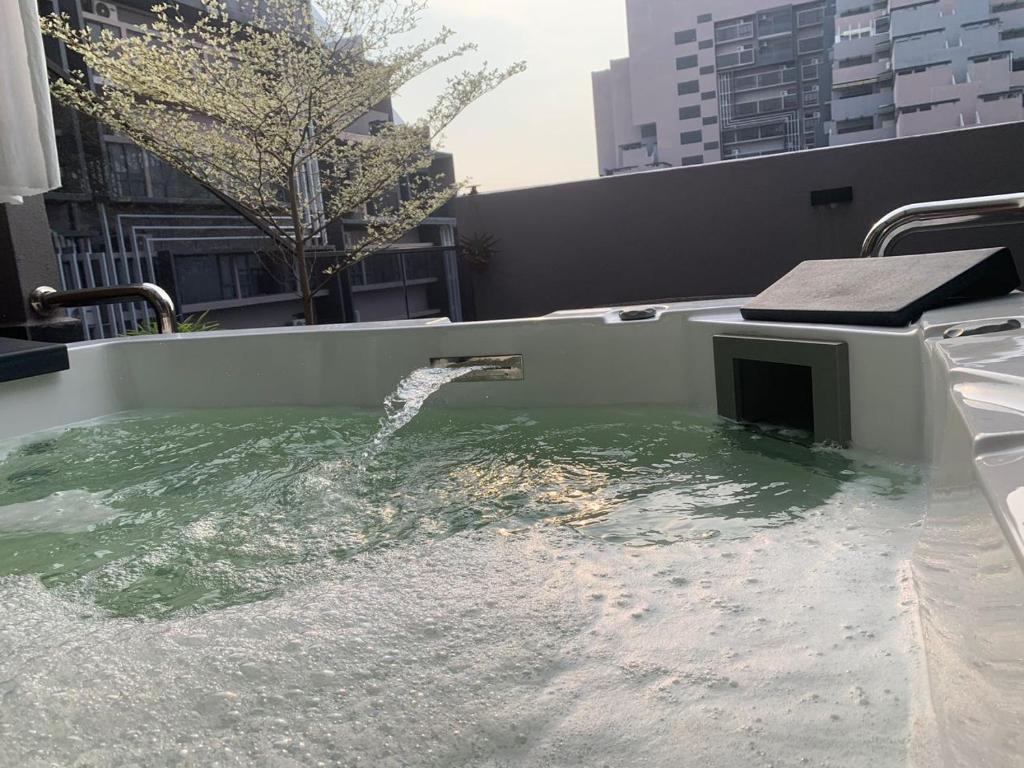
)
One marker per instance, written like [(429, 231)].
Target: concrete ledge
[(23, 359)]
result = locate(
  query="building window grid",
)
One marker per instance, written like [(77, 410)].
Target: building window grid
[(810, 45), (738, 58), (810, 17), (736, 29), (777, 22), (782, 76)]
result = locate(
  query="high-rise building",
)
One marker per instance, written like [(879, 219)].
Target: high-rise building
[(903, 68), (711, 80)]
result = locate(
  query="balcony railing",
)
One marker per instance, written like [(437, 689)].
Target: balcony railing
[(734, 32)]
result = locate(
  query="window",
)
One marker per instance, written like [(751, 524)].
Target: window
[(708, 95), (856, 125), (704, 18), (708, 70), (854, 33), (126, 163), (989, 57), (785, 101), (691, 137), (165, 181), (775, 49), (736, 29), (744, 55), (856, 61), (686, 36), (916, 35), (711, 120), (692, 160), (754, 133), (764, 79), (1012, 34), (705, 44), (858, 90), (690, 86), (689, 113), (810, 45), (810, 17), (710, 145), (96, 29), (775, 22), (811, 95), (686, 62), (1005, 96), (207, 278)]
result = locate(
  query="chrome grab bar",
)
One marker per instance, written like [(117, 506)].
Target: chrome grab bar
[(46, 300), (942, 214)]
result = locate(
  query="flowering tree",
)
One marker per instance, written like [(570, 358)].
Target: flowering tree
[(257, 112)]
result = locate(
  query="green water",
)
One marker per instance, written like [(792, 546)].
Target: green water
[(154, 514)]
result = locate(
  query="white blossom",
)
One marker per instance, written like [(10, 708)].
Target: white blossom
[(244, 107)]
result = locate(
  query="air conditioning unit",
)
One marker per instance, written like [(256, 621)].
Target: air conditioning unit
[(106, 11)]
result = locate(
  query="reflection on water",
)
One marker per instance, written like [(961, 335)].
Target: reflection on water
[(157, 513)]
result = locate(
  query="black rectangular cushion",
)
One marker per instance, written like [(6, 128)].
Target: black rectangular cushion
[(890, 291)]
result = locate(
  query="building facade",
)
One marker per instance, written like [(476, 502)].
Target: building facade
[(123, 216), (905, 68), (711, 80)]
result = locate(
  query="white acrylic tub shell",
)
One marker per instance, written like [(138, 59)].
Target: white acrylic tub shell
[(956, 405)]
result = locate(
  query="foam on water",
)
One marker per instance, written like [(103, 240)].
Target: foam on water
[(717, 598), (60, 512)]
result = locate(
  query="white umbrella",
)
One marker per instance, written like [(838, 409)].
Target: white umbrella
[(28, 148)]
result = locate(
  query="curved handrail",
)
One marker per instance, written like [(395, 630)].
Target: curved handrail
[(46, 300), (942, 214)]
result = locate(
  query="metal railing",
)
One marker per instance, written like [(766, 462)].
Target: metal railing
[(46, 300), (992, 210)]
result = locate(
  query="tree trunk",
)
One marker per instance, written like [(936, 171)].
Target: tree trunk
[(299, 253), (308, 309)]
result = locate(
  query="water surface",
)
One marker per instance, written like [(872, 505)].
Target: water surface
[(154, 513), (479, 588)]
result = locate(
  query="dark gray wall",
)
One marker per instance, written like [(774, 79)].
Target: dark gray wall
[(729, 228)]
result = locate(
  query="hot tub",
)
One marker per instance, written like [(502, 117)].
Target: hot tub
[(216, 551)]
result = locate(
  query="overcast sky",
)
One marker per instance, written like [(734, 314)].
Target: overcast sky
[(538, 127)]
